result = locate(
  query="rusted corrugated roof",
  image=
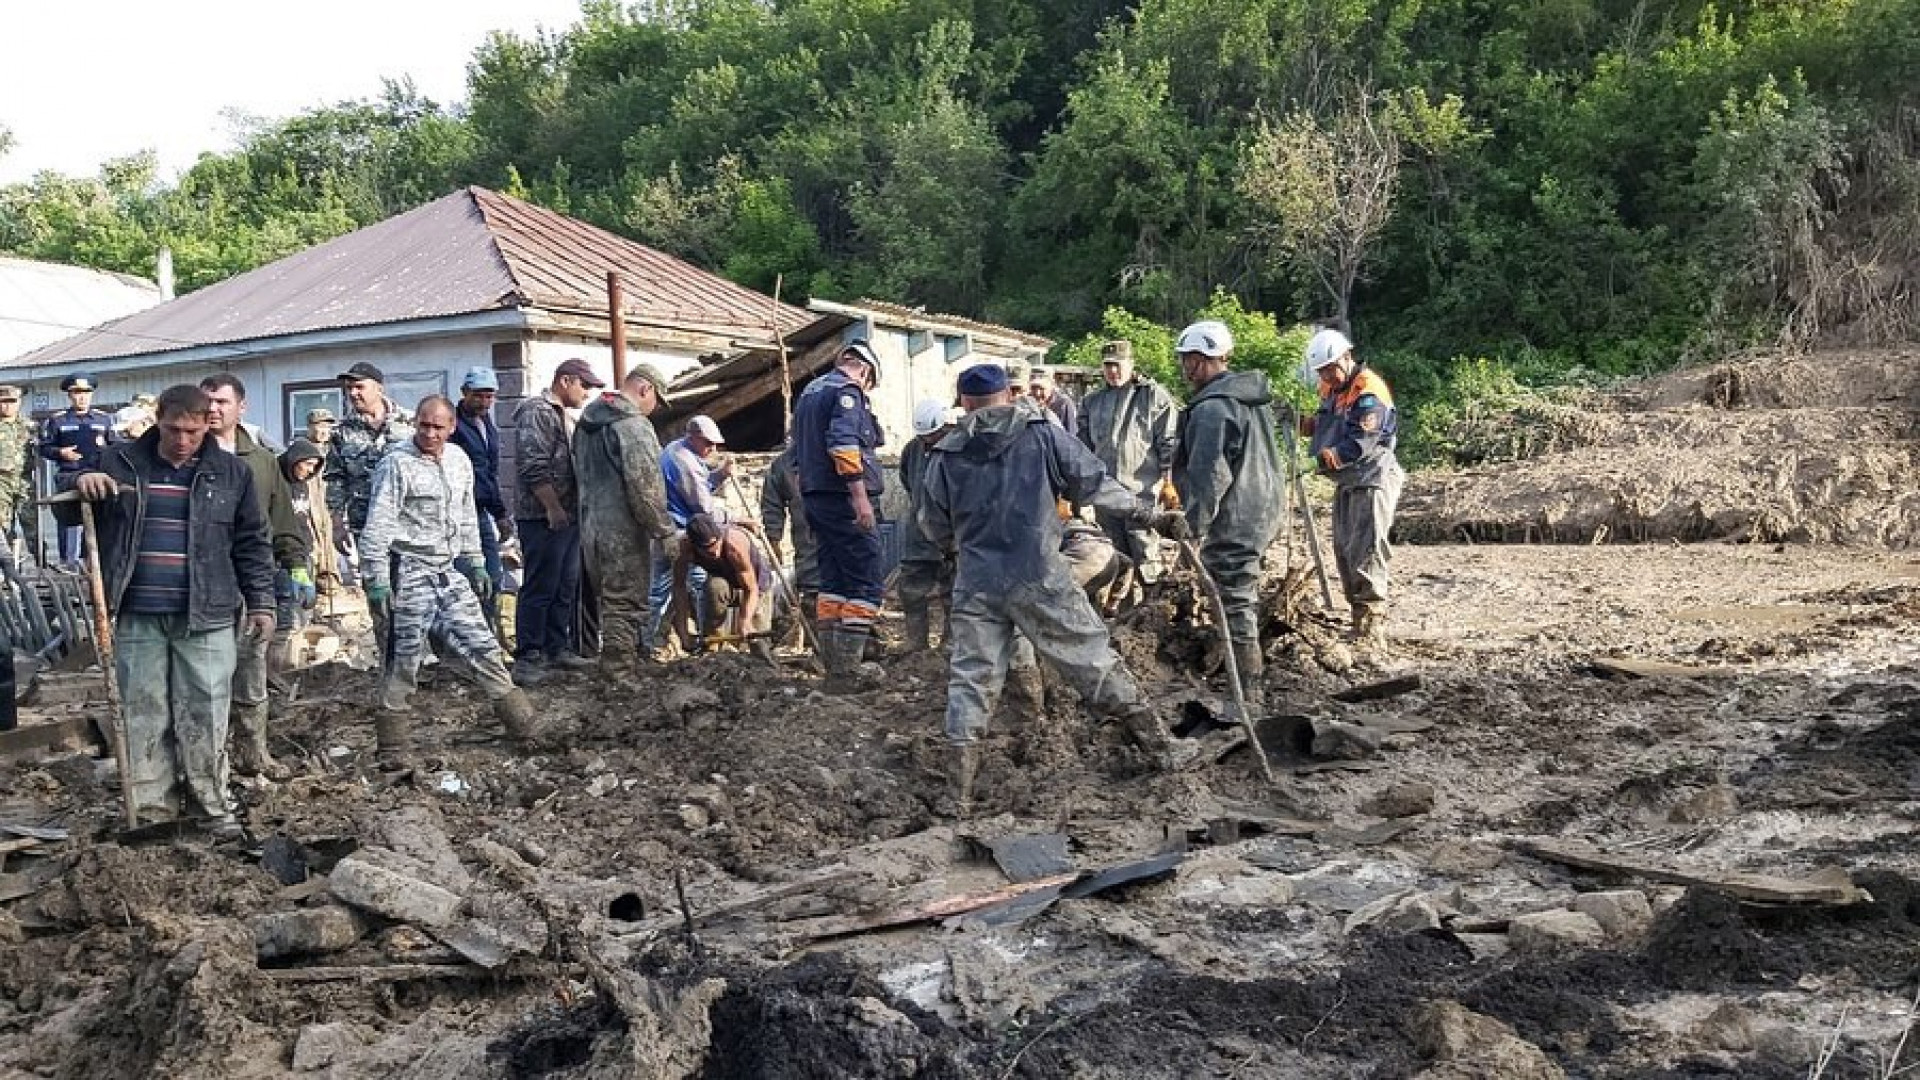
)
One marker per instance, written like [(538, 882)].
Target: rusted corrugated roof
[(472, 251)]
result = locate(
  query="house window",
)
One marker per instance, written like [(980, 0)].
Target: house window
[(303, 397), (407, 388)]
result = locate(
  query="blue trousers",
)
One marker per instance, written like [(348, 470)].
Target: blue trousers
[(490, 558), (549, 589), (851, 584)]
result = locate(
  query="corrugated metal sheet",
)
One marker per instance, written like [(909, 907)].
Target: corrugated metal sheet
[(472, 251), (41, 303)]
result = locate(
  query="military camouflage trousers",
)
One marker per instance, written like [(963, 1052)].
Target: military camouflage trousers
[(620, 565), (442, 603)]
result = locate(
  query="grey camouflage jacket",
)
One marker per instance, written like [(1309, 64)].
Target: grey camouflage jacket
[(421, 510), (355, 453)]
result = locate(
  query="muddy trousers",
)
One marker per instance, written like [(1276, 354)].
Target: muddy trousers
[(1235, 568), (1362, 518), (442, 603), (620, 565), (921, 584), (176, 688), (1062, 627)]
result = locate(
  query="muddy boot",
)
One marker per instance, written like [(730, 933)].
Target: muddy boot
[(250, 756), (393, 738), (1026, 695), (1167, 753), (919, 633), (1370, 634), (966, 766), (847, 669), (517, 716), (1252, 666)]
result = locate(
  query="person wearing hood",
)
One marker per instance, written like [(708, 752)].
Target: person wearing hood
[(1227, 474), (926, 569), (295, 589), (1353, 438), (623, 511), (992, 492), (836, 437)]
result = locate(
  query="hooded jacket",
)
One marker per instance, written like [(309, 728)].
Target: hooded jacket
[(270, 487), (616, 463), (1227, 469), (303, 497), (992, 492)]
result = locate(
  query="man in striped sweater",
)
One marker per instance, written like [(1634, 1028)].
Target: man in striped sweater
[(189, 572)]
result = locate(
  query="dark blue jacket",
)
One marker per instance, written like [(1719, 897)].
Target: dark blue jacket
[(88, 432), (478, 436), (835, 436), (229, 555)]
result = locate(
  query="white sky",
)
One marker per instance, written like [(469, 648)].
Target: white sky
[(82, 81)]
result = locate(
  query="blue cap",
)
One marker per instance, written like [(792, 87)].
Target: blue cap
[(480, 378), (983, 379)]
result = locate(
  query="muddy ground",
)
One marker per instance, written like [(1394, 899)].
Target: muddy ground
[(1320, 947)]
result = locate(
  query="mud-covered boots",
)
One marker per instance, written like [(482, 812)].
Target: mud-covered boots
[(1167, 753), (845, 656), (250, 755), (966, 767), (1252, 667), (393, 739), (1369, 633), (518, 718), (1025, 697), (917, 627)]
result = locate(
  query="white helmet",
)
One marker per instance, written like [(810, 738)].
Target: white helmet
[(1208, 337), (1325, 347), (929, 416)]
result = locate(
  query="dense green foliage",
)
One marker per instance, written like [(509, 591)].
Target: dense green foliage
[(1586, 186)]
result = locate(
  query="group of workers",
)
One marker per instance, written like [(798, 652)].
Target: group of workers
[(211, 542)]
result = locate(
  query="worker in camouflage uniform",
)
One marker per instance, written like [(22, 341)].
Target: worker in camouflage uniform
[(992, 493), (1354, 434), (1228, 475), (374, 425), (926, 569), (623, 511), (1132, 426), (16, 461), (421, 566), (780, 507)]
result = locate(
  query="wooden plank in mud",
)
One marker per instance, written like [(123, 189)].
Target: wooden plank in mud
[(1626, 667), (1829, 886)]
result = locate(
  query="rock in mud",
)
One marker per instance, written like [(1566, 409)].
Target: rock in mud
[(1622, 913), (299, 933), (321, 1045), (1465, 1045), (1405, 799), (392, 894), (1334, 740), (1555, 932), (1715, 803), (1405, 913)]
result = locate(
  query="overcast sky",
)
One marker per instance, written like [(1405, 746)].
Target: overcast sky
[(83, 81)]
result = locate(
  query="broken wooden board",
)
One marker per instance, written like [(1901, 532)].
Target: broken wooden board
[(1829, 886), (944, 908), (411, 972), (1623, 667), (31, 738), (1379, 691)]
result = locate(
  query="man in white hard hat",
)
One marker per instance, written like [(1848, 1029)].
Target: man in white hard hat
[(1354, 434), (1227, 471), (926, 571)]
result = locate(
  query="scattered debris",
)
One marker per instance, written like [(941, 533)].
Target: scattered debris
[(1830, 886)]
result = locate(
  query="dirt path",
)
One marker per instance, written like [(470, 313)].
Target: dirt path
[(1327, 940)]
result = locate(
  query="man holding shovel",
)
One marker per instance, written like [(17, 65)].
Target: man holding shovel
[(183, 548)]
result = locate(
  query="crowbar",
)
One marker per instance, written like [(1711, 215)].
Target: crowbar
[(1192, 552), (786, 588), (1306, 509), (103, 648)]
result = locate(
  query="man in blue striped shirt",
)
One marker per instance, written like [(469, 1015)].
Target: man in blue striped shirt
[(183, 548)]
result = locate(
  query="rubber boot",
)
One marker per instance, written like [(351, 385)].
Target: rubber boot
[(393, 739), (1252, 665), (1168, 753), (1026, 694), (846, 661), (1370, 633), (919, 632), (966, 767), (250, 756), (517, 716)]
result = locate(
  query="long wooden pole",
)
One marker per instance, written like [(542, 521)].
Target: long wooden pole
[(617, 327), (103, 649), (1219, 603), (786, 374)]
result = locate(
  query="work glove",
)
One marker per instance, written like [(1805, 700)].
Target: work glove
[(1168, 523), (304, 591), (1167, 496), (380, 601), (477, 576)]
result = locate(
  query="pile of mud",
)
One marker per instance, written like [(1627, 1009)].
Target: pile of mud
[(1822, 449)]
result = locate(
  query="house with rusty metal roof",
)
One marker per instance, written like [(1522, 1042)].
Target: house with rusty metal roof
[(476, 278), (43, 302)]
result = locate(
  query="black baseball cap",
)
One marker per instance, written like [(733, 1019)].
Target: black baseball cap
[(363, 370)]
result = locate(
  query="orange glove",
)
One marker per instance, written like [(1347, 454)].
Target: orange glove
[(1168, 498)]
